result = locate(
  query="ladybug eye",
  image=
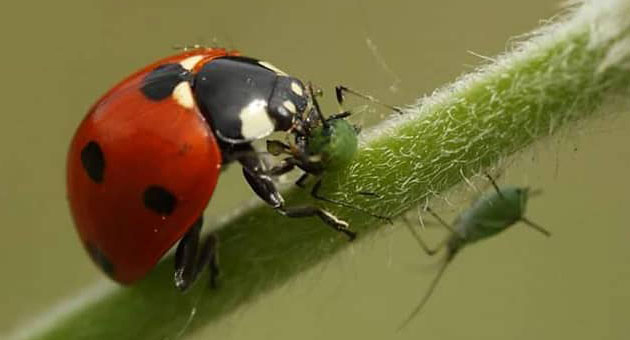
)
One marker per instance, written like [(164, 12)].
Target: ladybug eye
[(93, 161), (159, 200)]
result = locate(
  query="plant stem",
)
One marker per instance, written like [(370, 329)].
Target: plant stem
[(564, 73)]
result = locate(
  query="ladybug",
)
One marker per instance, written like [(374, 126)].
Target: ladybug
[(144, 162)]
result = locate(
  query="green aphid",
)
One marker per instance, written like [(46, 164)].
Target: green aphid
[(488, 216), (320, 145), (334, 145)]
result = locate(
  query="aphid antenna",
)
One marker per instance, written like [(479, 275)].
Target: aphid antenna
[(340, 89), (536, 226)]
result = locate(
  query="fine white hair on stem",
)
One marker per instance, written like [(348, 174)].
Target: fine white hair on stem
[(565, 72), (606, 20)]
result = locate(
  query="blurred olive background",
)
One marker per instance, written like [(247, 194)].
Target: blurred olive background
[(60, 56)]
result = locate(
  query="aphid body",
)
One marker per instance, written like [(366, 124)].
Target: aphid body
[(487, 217)]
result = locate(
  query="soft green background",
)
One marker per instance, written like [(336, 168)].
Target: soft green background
[(60, 56)]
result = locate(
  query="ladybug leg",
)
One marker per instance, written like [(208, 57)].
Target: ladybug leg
[(285, 166), (263, 186), (209, 257), (186, 257), (277, 148), (190, 260), (325, 216), (301, 182)]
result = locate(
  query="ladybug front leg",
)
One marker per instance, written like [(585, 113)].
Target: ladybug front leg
[(190, 260), (263, 186)]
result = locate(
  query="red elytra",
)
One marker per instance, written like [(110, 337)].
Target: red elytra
[(141, 144)]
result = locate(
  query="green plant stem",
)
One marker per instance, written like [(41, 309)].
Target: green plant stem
[(563, 74)]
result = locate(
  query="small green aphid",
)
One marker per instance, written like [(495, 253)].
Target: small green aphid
[(488, 216), (321, 145)]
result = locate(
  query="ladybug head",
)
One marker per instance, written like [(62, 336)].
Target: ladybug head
[(288, 101)]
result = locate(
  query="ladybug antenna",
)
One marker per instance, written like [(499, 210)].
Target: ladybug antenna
[(316, 106)]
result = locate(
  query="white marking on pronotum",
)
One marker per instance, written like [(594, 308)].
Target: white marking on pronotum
[(297, 89), (273, 68), (255, 121), (182, 93), (190, 62), (289, 106)]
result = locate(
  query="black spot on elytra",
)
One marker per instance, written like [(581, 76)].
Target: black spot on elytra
[(159, 200), (100, 259), (93, 161), (159, 84)]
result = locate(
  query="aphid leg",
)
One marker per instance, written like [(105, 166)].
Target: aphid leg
[(418, 238), (495, 186), (340, 90), (536, 226), (262, 184), (450, 255), (316, 195), (442, 222), (190, 260), (429, 292)]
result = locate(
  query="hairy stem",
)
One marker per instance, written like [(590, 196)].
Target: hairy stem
[(564, 73)]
